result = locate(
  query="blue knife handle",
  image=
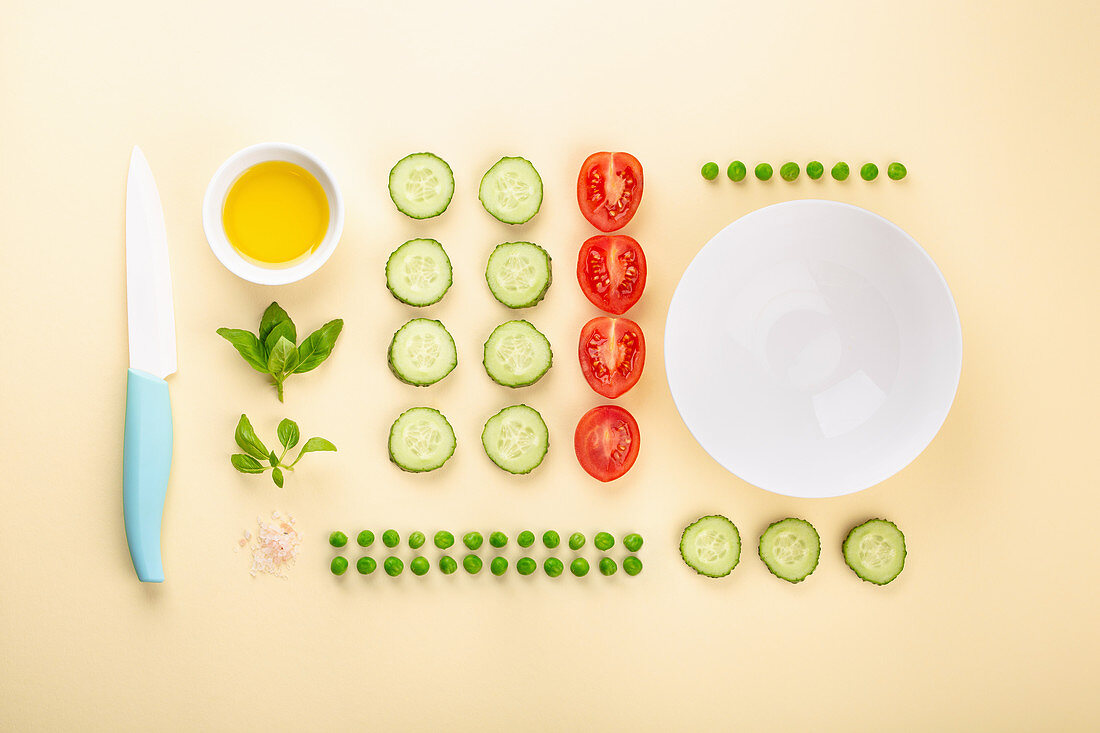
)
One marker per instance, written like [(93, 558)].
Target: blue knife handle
[(146, 460)]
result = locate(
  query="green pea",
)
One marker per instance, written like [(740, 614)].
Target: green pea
[(553, 567), (736, 171), (393, 566), (608, 566), (603, 541), (338, 565), (444, 539), (868, 172), (815, 170), (365, 565), (420, 565), (576, 541), (390, 538), (447, 565), (579, 567), (498, 539), (763, 171), (526, 538), (789, 171), (632, 565), (472, 540), (840, 171), (499, 566), (472, 563), (710, 171), (896, 171), (526, 566), (551, 539), (417, 540), (633, 542), (365, 538), (337, 539)]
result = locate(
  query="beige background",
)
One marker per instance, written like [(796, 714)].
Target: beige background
[(991, 627)]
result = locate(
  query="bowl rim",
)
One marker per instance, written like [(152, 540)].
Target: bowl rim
[(214, 199), (957, 342)]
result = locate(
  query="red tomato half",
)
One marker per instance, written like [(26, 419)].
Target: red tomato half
[(612, 354), (609, 189), (611, 270), (607, 441)]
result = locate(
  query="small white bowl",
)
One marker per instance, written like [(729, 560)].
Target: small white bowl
[(214, 200)]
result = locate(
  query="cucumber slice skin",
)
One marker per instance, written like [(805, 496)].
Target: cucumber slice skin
[(803, 532), (398, 176), (397, 259), (440, 458), (528, 298), (528, 417), (499, 372), (522, 170), (888, 534), (711, 569), (403, 372)]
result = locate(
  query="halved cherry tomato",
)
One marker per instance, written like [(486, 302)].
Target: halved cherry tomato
[(607, 441), (609, 189), (612, 354), (611, 270)]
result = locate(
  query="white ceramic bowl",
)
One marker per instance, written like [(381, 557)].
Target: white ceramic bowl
[(813, 348), (214, 200)]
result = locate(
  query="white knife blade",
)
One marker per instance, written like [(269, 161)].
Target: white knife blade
[(149, 314)]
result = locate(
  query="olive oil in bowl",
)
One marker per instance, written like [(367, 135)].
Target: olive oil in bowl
[(275, 214)]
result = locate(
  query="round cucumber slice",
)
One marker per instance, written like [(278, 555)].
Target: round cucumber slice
[(421, 440), (790, 548), (422, 352), (419, 272), (518, 274), (711, 546), (516, 439), (517, 354), (421, 185), (511, 190), (875, 551)]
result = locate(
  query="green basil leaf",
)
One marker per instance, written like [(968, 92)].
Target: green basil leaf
[(316, 444), (283, 358), (247, 439), (273, 459), (288, 433), (277, 477), (281, 330), (247, 345), (317, 347), (272, 317), (246, 464)]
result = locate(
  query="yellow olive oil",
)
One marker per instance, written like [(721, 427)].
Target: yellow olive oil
[(275, 213)]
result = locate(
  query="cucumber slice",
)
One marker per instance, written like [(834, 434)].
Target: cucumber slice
[(516, 439), (419, 272), (511, 190), (711, 546), (421, 185), (518, 274), (790, 548), (421, 440), (517, 354), (875, 551), (422, 352)]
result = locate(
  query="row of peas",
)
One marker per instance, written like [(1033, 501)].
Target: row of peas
[(394, 566), (789, 171)]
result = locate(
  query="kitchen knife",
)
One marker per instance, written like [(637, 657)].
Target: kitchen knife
[(147, 444)]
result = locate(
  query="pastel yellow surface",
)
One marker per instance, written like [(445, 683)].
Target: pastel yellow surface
[(992, 626)]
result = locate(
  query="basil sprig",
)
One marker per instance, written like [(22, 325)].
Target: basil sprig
[(257, 458), (273, 351)]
